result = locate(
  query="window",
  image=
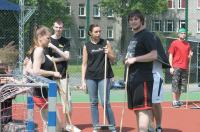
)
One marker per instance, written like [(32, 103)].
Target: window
[(171, 4), (181, 4), (198, 26), (81, 32), (67, 33), (198, 4), (110, 13), (156, 25), (82, 11), (110, 32), (96, 11), (181, 23), (169, 26), (68, 6)]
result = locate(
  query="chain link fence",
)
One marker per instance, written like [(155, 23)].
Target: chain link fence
[(164, 22)]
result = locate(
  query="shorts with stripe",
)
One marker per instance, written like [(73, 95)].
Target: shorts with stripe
[(157, 94), (140, 95)]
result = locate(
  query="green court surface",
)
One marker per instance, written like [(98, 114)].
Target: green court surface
[(116, 96)]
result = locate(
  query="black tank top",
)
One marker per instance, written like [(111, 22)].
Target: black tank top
[(47, 65), (96, 61)]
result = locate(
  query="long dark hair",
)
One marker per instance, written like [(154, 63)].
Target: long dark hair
[(38, 31)]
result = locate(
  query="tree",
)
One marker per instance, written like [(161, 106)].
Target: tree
[(122, 7), (48, 10), (46, 13)]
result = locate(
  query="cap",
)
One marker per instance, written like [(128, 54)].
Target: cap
[(182, 30)]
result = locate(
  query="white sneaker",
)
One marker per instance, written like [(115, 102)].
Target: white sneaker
[(72, 128)]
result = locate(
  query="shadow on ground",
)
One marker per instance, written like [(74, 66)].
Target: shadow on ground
[(171, 130)]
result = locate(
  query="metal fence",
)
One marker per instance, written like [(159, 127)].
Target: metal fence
[(176, 14)]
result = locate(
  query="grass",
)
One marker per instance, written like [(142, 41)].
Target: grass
[(116, 96), (118, 70)]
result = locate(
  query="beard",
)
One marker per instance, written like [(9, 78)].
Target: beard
[(137, 28)]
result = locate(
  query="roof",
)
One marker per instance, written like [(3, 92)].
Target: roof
[(9, 6)]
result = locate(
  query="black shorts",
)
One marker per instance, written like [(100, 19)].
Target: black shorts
[(140, 95)]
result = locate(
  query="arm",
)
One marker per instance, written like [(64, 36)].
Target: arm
[(190, 54), (170, 62), (84, 66), (170, 59), (64, 55), (111, 54), (151, 56), (38, 58)]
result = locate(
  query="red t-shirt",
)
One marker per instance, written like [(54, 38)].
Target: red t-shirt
[(180, 51)]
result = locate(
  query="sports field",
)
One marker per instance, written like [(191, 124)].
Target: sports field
[(174, 119)]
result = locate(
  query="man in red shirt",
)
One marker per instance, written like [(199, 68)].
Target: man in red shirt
[(179, 55)]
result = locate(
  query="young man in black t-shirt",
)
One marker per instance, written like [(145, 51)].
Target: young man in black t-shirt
[(61, 60), (140, 56)]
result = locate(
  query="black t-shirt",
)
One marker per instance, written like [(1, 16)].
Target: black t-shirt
[(96, 61), (162, 57), (140, 44), (47, 65), (64, 45)]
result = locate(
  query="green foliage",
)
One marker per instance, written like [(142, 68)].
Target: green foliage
[(49, 10), (123, 7)]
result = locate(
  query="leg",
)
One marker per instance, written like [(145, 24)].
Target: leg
[(157, 112), (143, 120), (157, 98), (109, 112), (93, 93), (58, 121), (176, 86), (151, 127), (184, 80), (44, 114), (65, 98)]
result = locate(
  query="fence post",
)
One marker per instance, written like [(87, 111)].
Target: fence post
[(186, 18), (52, 95), (30, 120), (0, 117)]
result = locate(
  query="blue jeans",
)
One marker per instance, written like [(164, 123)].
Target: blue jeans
[(93, 87)]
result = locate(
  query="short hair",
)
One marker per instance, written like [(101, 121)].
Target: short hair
[(59, 21), (136, 13)]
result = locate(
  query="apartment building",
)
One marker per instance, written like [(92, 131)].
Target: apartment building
[(174, 18), (110, 24)]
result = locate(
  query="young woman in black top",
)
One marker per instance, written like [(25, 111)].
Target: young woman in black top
[(93, 73), (43, 66)]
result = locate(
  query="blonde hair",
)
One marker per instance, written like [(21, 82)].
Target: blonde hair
[(38, 31)]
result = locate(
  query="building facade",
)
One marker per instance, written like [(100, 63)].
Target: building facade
[(109, 23), (174, 18)]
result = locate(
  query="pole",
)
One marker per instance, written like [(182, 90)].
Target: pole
[(21, 36), (186, 18), (87, 17)]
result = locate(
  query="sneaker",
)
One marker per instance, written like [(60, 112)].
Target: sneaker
[(94, 131), (151, 130), (72, 128), (180, 103), (175, 104), (159, 129)]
